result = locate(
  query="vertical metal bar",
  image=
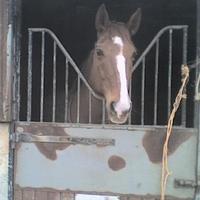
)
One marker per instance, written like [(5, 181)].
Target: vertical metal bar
[(42, 77), (54, 82), (169, 74), (130, 94), (156, 83), (183, 109), (17, 62), (197, 103), (103, 111), (18, 96), (66, 88), (90, 107), (143, 91), (78, 100), (29, 92)]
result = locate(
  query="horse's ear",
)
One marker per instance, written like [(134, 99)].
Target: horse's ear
[(102, 19), (134, 21)]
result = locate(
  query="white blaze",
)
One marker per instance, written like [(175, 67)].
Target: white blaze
[(124, 102)]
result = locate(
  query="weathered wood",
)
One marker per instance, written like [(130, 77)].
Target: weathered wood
[(67, 196), (53, 196), (18, 195), (40, 195), (5, 62), (28, 194)]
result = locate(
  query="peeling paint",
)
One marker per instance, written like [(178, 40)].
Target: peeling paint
[(47, 149), (153, 143), (116, 163), (120, 169)]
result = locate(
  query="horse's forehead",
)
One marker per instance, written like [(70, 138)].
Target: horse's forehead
[(117, 41)]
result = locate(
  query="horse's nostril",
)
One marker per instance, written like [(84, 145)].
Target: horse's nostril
[(126, 112), (130, 108), (120, 110), (112, 106)]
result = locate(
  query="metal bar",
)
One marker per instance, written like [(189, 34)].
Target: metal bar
[(90, 107), (66, 88), (70, 60), (143, 90), (103, 111), (169, 74), (108, 126), (183, 108), (30, 138), (42, 77), (29, 92), (17, 50), (54, 82), (156, 83), (130, 94), (174, 27), (197, 105), (18, 92), (78, 100)]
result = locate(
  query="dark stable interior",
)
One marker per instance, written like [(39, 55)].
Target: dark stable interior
[(73, 23)]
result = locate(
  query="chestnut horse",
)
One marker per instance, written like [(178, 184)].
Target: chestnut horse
[(108, 70)]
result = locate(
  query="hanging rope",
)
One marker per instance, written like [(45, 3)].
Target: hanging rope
[(181, 94)]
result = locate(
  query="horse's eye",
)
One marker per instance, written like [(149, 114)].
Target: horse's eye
[(99, 52)]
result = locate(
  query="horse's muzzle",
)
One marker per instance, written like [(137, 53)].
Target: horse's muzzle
[(116, 117)]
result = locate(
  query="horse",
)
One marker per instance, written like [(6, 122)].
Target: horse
[(108, 70)]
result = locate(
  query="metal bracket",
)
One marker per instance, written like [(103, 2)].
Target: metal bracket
[(182, 183), (30, 138)]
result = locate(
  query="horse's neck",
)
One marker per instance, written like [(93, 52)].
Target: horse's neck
[(96, 105)]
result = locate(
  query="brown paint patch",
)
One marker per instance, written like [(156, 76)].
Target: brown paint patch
[(48, 149), (116, 163), (153, 143)]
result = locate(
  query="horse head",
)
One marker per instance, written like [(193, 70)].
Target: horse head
[(113, 58)]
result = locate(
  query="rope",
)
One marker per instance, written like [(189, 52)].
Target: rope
[(181, 94)]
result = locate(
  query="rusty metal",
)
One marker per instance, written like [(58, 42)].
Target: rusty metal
[(30, 138), (182, 183)]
